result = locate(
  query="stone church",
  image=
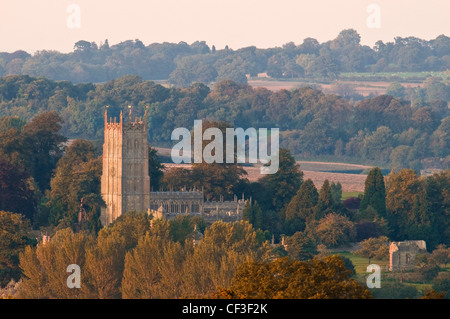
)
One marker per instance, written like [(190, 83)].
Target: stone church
[(125, 181)]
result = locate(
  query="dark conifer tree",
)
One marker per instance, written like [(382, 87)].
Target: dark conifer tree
[(375, 192), (325, 202)]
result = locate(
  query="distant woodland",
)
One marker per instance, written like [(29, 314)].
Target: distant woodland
[(390, 131), (184, 64)]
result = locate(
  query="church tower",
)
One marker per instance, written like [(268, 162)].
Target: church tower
[(125, 183)]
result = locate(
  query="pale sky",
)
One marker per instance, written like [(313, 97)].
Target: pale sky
[(33, 25)]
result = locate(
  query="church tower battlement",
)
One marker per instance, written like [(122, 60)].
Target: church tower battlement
[(125, 182)]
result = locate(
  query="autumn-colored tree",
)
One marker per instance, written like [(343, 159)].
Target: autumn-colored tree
[(377, 248), (14, 237), (45, 266), (103, 268), (433, 294), (152, 269), (301, 247), (334, 230), (284, 278), (113, 243), (408, 208), (215, 260)]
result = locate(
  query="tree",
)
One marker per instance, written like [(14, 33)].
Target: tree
[(10, 144), (107, 258), (16, 191), (441, 140), (144, 274), (41, 144), (155, 168), (325, 203), (284, 278), (395, 290), (441, 255), (300, 247), (76, 182), (396, 90), (370, 226), (408, 210), (325, 65), (374, 192), (253, 214), (436, 90), (82, 45), (306, 62), (218, 179), (45, 267), (336, 193), (180, 228), (334, 230), (300, 209), (215, 260), (378, 145), (14, 237), (284, 184), (176, 178), (346, 38), (377, 248), (442, 285), (437, 188)]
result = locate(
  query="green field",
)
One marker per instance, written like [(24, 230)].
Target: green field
[(361, 263), (346, 195)]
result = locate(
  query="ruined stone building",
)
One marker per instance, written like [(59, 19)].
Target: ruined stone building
[(402, 254), (125, 182)]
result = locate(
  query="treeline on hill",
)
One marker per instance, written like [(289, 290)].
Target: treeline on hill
[(184, 64), (385, 130)]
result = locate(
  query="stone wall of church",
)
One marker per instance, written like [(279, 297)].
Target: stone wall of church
[(111, 180), (135, 179)]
